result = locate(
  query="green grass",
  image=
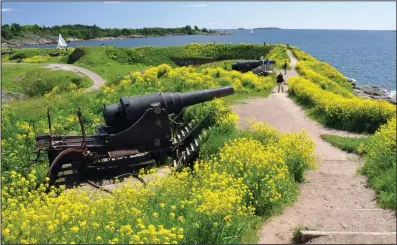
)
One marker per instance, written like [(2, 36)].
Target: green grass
[(296, 237), (32, 80), (112, 63), (380, 164), (239, 98), (12, 75), (349, 144)]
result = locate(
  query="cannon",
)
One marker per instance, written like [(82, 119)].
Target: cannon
[(245, 66), (258, 67), (139, 131)]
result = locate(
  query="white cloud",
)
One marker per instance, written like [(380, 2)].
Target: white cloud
[(111, 2), (196, 5), (8, 9)]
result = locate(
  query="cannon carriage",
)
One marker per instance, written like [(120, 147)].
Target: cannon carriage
[(140, 131)]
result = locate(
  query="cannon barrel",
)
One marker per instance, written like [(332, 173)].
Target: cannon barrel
[(245, 66), (130, 109)]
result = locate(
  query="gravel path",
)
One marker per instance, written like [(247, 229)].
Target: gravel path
[(334, 198), (98, 81)]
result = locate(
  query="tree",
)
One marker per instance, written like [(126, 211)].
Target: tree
[(204, 30), (188, 28), (6, 32), (15, 28), (196, 28)]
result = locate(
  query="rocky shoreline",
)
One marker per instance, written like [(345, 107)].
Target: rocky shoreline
[(373, 92), (54, 40)]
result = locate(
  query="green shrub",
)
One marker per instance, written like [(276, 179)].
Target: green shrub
[(30, 52), (353, 114), (279, 54), (42, 81), (380, 164)]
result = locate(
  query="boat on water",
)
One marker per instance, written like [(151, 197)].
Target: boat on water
[(252, 32), (61, 43)]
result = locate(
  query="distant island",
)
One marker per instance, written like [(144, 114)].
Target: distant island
[(263, 28), (30, 35), (241, 29)]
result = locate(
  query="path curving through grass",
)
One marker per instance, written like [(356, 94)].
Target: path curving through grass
[(97, 80)]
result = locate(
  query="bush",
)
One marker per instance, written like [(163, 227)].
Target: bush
[(353, 114), (322, 73), (297, 148), (42, 81), (30, 52), (158, 55), (279, 54), (36, 59), (380, 163), (324, 82)]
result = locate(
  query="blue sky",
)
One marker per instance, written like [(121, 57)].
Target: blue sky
[(212, 15)]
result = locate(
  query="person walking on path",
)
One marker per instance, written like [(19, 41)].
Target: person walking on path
[(285, 68), (280, 80)]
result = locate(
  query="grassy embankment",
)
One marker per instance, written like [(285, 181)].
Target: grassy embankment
[(232, 188), (326, 95), (113, 63), (32, 80), (28, 78)]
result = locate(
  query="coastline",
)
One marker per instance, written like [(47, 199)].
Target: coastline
[(48, 40), (373, 92)]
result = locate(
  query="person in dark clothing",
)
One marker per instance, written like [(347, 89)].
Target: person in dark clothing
[(280, 80), (285, 67), (264, 43)]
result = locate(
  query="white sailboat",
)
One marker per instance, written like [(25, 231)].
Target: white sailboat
[(61, 42), (252, 32)]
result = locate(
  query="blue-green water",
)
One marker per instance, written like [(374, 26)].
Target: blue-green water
[(367, 56)]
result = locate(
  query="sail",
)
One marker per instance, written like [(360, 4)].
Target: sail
[(61, 42), (252, 32)]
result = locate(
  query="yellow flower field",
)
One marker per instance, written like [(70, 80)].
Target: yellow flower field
[(215, 202)]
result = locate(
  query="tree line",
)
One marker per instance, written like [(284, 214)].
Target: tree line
[(89, 32)]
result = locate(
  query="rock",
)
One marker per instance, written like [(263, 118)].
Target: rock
[(371, 90), (7, 96), (374, 92), (73, 39)]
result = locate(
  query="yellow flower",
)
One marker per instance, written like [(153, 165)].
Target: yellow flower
[(75, 229), (6, 232), (83, 223), (95, 225)]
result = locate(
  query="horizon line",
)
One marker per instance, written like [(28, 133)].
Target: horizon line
[(247, 28)]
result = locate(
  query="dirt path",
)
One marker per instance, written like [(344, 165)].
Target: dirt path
[(97, 80), (334, 197)]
